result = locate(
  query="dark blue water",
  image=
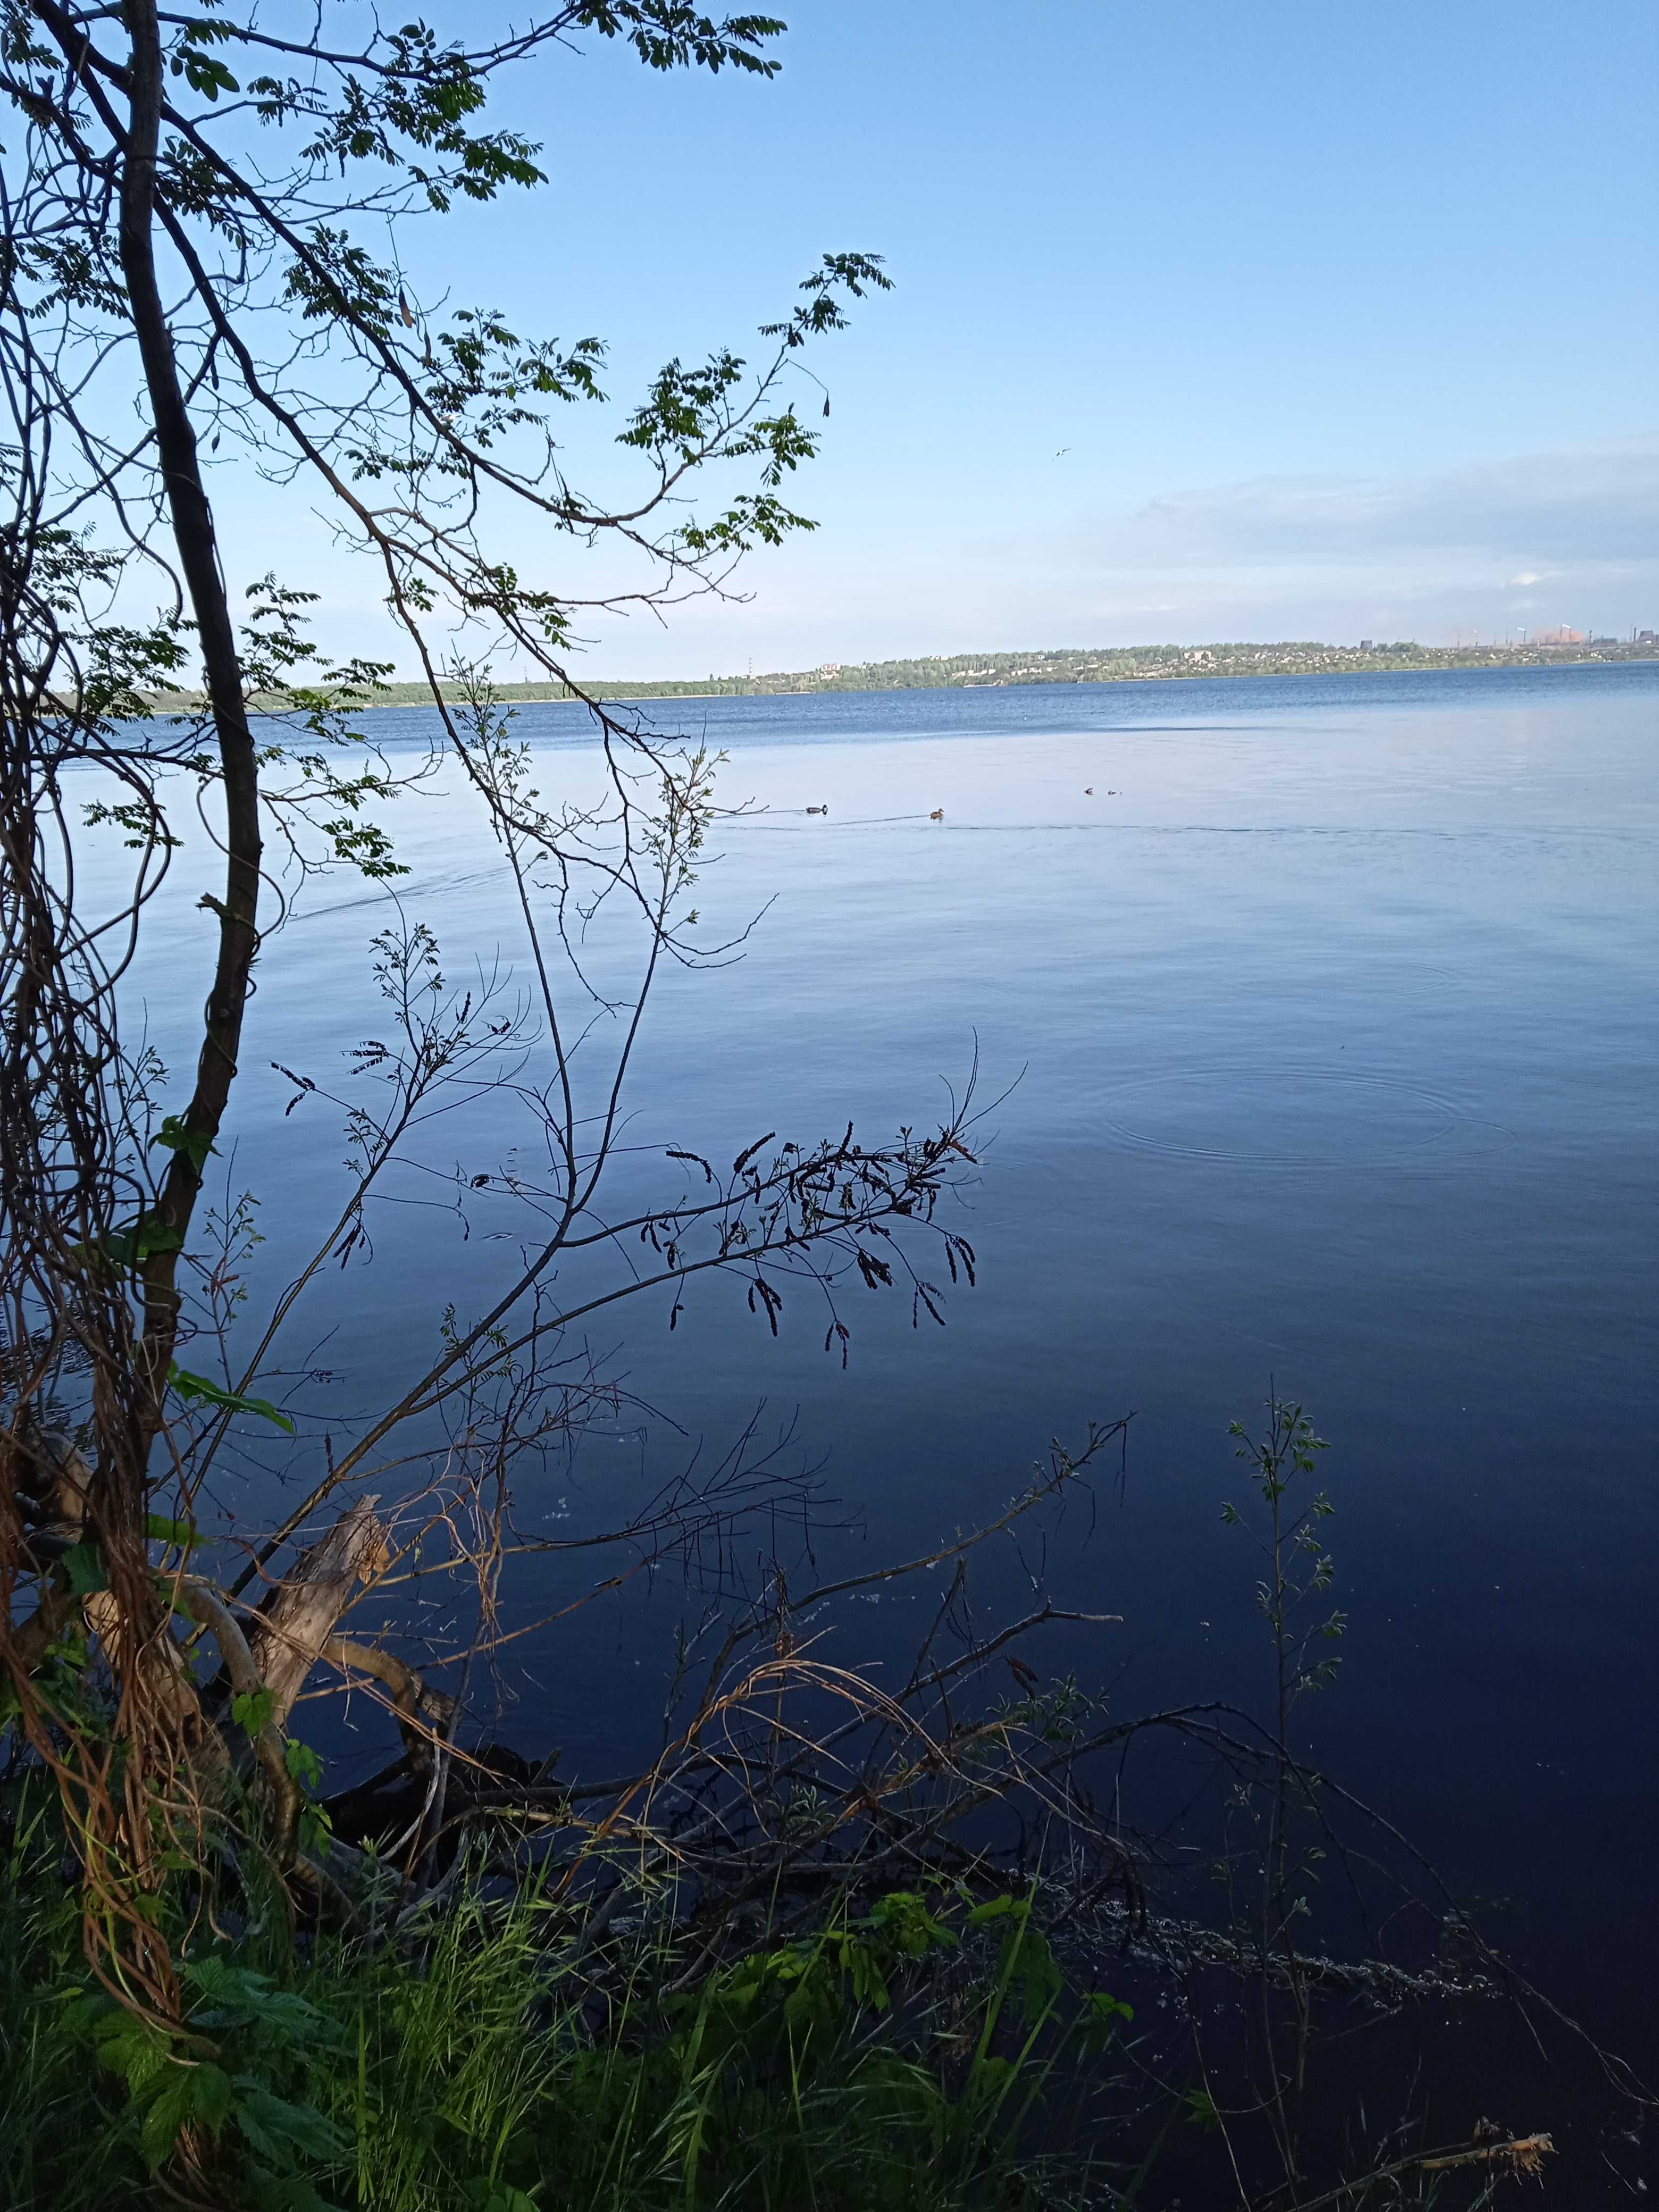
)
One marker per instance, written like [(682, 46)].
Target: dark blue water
[(1327, 1043)]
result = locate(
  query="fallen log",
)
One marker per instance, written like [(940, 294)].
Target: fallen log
[(289, 1634)]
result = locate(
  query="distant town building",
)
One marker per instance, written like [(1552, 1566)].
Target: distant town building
[(830, 668), (1365, 645)]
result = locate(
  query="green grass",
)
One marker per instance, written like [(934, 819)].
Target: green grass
[(895, 2057)]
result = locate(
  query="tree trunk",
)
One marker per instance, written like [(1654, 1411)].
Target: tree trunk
[(199, 559)]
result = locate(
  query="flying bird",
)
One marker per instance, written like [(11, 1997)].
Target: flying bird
[(1061, 454)]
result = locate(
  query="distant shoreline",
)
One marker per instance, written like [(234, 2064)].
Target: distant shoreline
[(1008, 672)]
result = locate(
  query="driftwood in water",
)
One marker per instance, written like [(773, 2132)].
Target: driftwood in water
[(276, 1650), (394, 1807), (423, 1714), (296, 1622)]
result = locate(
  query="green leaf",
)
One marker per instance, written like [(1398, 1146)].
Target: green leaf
[(1027, 1959), (238, 1997), (198, 2095), (168, 2111), (278, 2130), (316, 1826), (302, 1763), (194, 1143), (161, 1530), (869, 1983), (251, 1709), (210, 2096), (129, 2047), (905, 1921), (128, 1247), (83, 1563), (1202, 2110), (1103, 2006), (993, 1909), (197, 1390), (1099, 2022)]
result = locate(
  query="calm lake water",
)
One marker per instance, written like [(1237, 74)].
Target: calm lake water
[(1326, 1026)]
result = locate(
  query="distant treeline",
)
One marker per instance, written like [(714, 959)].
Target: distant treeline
[(1065, 665)]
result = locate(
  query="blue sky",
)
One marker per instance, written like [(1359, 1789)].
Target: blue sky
[(1345, 318)]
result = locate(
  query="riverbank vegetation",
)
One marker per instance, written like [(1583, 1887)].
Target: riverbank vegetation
[(482, 2059), (1126, 664), (835, 1945)]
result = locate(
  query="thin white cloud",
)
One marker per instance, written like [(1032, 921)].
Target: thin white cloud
[(1588, 504), (1571, 537)]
